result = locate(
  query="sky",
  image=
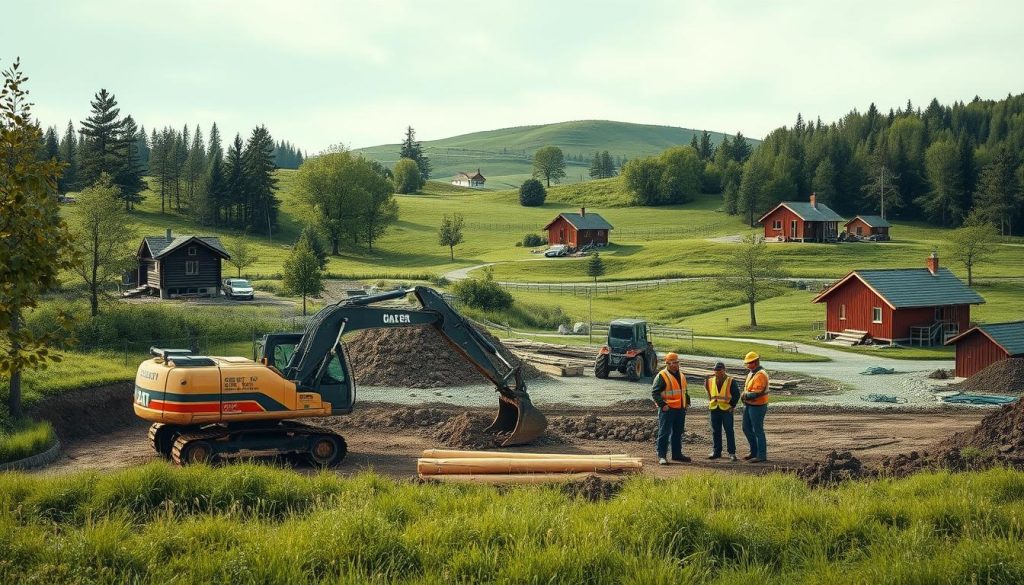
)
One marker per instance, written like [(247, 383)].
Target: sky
[(325, 72)]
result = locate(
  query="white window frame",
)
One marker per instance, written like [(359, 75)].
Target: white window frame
[(191, 268), (842, 312), (777, 225), (876, 311)]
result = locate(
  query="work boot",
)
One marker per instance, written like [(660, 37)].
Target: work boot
[(715, 456), (732, 457), (662, 461), (754, 460), (749, 457), (681, 458)]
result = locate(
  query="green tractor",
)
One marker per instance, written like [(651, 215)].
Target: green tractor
[(628, 351)]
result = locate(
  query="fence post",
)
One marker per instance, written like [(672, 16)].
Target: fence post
[(126, 353)]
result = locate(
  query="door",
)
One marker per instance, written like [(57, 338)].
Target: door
[(336, 385), (792, 229)]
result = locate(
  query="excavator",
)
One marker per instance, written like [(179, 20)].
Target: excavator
[(205, 408)]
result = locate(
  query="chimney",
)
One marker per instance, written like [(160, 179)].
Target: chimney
[(583, 211), (814, 201), (933, 263), (169, 234)]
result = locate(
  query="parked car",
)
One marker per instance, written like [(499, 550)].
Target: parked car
[(557, 250), (237, 288), (878, 238)]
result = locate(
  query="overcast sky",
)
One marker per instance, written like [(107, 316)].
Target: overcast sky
[(320, 72)]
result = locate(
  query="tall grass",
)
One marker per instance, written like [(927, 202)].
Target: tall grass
[(246, 524), (25, 439)]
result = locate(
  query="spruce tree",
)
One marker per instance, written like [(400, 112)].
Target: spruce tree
[(258, 164), (51, 146), (195, 170), (707, 147), (69, 156), (142, 144), (607, 166), (214, 148), (414, 150), (103, 130), (596, 170), (128, 177), (236, 196), (740, 148)]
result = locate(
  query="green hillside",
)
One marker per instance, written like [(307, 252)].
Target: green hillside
[(504, 156)]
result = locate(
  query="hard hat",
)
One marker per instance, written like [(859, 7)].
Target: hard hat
[(671, 357), (751, 357)]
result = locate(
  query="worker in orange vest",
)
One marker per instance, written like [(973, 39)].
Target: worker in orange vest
[(723, 394), (669, 393), (755, 406)]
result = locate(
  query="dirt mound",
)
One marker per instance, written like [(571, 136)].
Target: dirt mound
[(941, 374), (466, 431), (640, 429), (837, 467), (592, 488), (398, 417), (1002, 377), (415, 357), (88, 411)]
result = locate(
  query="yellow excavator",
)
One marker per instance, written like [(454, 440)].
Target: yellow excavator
[(204, 408)]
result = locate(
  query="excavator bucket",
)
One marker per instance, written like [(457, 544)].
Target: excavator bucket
[(518, 422)]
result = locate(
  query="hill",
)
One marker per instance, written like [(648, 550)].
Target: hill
[(504, 156)]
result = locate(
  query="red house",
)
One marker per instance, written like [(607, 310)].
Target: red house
[(864, 226), (924, 306), (983, 345), (801, 221), (578, 229)]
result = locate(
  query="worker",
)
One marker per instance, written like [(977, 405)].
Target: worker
[(669, 393), (755, 406), (723, 394)]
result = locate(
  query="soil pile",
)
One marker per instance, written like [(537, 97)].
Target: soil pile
[(398, 418), (1002, 377), (592, 488), (837, 467), (466, 431), (941, 374), (640, 429), (89, 411), (415, 357)]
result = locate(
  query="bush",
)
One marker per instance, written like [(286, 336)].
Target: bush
[(532, 193), (482, 294), (407, 176), (532, 240), (25, 440), (439, 281)]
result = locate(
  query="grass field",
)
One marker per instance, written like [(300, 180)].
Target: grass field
[(25, 439), (247, 524)]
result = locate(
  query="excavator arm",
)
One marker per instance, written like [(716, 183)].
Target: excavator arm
[(517, 421)]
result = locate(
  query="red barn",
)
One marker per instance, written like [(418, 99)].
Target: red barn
[(809, 221), (578, 229), (924, 306), (981, 346), (864, 226)]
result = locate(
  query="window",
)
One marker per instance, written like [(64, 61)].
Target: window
[(191, 250), (876, 315), (191, 267), (777, 226), (842, 312)]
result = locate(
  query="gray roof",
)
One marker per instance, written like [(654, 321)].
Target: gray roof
[(628, 322), (1008, 335), (873, 221), (918, 287), (161, 246), (804, 211), (590, 221)]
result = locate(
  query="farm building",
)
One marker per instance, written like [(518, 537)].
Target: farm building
[(578, 229), (983, 345), (799, 221), (173, 266), (868, 225), (917, 306), (464, 179)]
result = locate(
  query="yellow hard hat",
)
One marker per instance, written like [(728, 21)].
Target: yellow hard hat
[(671, 357), (751, 357)]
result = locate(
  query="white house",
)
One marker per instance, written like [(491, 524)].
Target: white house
[(467, 180)]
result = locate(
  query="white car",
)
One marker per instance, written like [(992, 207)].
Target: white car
[(557, 250), (237, 288)]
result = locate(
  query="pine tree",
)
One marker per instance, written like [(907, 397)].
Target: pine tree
[(999, 199), (69, 156), (694, 143), (129, 174), (707, 148), (214, 148), (414, 150), (51, 146), (740, 148), (103, 129), (596, 170), (142, 144), (595, 267), (195, 170), (215, 189), (607, 166), (236, 196), (258, 162)]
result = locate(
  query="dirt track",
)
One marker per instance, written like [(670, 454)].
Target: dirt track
[(378, 441)]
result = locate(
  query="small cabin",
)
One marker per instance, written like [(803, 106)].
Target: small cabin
[(983, 345), (866, 226), (576, 230), (801, 221), (178, 266), (464, 179)]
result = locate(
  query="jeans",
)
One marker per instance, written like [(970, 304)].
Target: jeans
[(671, 423), (753, 428), (722, 419)]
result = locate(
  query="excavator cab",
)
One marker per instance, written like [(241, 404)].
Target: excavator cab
[(334, 382)]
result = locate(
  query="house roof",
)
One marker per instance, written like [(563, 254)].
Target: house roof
[(589, 221), (806, 212), (160, 246), (1009, 336), (474, 177), (904, 288), (871, 220)]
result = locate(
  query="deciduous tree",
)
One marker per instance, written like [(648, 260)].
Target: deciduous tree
[(407, 176), (532, 193), (450, 232), (754, 271), (972, 244), (302, 274), (549, 163), (242, 255)]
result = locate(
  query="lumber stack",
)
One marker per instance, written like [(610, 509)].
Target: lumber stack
[(551, 358), (505, 467)]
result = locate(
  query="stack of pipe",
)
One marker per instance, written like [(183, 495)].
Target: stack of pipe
[(492, 467)]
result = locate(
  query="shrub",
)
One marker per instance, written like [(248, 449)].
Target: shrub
[(532, 240), (482, 294), (407, 176), (532, 193), (25, 440), (439, 280)]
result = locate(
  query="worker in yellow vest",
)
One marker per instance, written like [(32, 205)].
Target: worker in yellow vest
[(669, 393), (723, 394), (755, 406)]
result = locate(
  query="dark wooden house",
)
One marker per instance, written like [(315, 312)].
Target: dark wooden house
[(917, 306), (801, 221), (173, 266), (983, 345), (578, 229), (864, 226)]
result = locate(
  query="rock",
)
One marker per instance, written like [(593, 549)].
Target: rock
[(580, 328), (563, 330)]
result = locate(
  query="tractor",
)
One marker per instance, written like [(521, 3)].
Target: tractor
[(628, 350)]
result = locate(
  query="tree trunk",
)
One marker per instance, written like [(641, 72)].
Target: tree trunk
[(753, 317), (334, 246), (303, 304), (970, 281), (14, 397), (451, 251)]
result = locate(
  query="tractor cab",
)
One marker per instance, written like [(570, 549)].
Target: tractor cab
[(628, 350)]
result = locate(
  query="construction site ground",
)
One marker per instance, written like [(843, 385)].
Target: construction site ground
[(387, 437)]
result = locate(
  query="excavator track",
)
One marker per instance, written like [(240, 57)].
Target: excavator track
[(321, 446)]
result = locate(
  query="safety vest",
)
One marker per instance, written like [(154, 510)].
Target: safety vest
[(757, 383), (719, 398), (675, 390)]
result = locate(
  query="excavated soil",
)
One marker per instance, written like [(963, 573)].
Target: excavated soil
[(89, 411), (593, 427), (837, 467), (1003, 377), (592, 488), (416, 357)]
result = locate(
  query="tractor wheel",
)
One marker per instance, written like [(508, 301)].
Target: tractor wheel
[(162, 438), (327, 450), (197, 452), (635, 369), (652, 362), (601, 366)]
